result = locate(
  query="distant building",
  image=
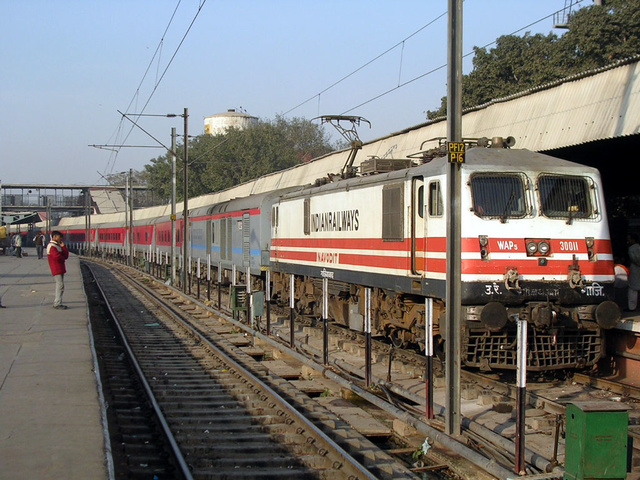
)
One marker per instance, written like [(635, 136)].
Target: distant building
[(217, 124)]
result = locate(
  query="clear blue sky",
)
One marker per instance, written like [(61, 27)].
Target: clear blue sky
[(68, 66)]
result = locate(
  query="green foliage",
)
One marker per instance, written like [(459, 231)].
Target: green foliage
[(598, 36), (222, 161)]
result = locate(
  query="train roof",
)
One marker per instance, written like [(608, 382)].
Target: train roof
[(520, 159), (476, 159), (242, 203)]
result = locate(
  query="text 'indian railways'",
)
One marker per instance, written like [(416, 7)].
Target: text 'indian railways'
[(340, 221)]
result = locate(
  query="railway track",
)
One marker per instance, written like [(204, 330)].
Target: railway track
[(222, 420)]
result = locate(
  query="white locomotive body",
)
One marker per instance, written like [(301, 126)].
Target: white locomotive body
[(535, 245)]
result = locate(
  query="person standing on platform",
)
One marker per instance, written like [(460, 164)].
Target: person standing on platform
[(39, 241), (57, 254), (18, 245), (634, 270)]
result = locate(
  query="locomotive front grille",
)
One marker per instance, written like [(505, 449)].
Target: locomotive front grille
[(545, 351)]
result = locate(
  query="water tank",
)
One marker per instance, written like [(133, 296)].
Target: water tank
[(217, 124)]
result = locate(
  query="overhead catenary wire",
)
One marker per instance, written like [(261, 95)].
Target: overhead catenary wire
[(159, 79), (414, 79), (377, 57), (116, 134)]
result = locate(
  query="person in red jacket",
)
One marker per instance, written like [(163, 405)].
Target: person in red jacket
[(57, 254)]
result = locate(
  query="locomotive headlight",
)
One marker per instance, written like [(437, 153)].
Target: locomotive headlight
[(590, 242), (544, 247), (483, 240), (537, 247)]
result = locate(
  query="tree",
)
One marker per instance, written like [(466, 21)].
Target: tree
[(602, 34), (598, 35), (221, 161)]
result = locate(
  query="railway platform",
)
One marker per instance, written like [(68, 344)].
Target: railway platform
[(50, 411)]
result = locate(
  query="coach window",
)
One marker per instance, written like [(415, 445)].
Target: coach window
[(393, 213), (436, 207)]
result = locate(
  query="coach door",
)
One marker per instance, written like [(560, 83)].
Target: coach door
[(418, 233)]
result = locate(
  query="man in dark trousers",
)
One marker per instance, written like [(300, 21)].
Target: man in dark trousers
[(39, 241), (57, 254)]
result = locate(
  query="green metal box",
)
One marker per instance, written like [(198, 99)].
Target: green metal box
[(239, 298), (596, 441)]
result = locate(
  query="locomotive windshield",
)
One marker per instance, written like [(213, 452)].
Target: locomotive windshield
[(498, 195), (564, 196)]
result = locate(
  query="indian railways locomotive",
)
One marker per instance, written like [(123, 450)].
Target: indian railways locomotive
[(535, 246)]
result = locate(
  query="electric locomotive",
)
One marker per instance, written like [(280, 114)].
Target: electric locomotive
[(535, 246)]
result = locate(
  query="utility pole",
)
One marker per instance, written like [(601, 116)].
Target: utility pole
[(173, 206), (127, 225), (185, 211), (454, 270), (87, 209), (131, 252)]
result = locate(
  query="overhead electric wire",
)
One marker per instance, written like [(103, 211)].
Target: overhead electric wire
[(158, 80), (367, 63), (404, 84), (116, 134)]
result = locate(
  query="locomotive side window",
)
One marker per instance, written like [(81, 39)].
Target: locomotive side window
[(565, 196), (498, 195), (436, 207), (393, 213)]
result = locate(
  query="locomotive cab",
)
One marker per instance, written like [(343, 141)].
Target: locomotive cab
[(538, 249)]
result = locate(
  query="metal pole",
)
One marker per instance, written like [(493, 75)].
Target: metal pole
[(173, 206), (185, 210), (292, 339), (325, 321), (454, 273), (131, 252), (367, 330), (267, 299), (249, 299), (209, 276), (428, 349), (86, 219), (89, 224), (521, 373), (198, 275), (233, 284), (219, 285), (126, 218)]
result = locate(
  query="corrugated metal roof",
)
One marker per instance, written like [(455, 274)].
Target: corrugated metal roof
[(107, 200)]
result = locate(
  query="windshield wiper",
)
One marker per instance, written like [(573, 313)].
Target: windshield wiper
[(507, 208)]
